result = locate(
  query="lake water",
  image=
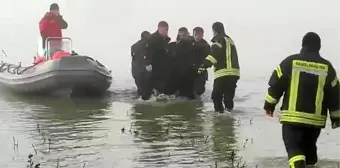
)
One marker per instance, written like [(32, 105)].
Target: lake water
[(72, 132)]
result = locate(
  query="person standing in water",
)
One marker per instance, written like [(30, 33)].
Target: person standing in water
[(310, 89), (201, 50), (223, 56), (157, 61), (138, 51), (184, 70), (51, 25)]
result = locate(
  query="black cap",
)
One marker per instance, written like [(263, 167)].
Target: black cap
[(311, 42), (163, 24), (198, 30), (218, 27), (54, 6)]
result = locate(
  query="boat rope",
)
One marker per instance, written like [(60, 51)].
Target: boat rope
[(13, 69)]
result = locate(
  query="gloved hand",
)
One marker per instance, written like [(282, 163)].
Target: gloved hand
[(148, 68), (269, 113)]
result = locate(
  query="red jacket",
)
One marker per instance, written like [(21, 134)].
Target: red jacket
[(50, 26)]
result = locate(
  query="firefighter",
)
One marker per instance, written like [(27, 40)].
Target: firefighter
[(138, 51), (184, 69), (200, 51), (157, 61), (223, 56), (310, 88)]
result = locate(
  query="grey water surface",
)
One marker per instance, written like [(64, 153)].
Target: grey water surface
[(117, 131)]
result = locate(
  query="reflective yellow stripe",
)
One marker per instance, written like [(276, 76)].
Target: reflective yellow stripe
[(335, 114), (228, 52), (311, 68), (335, 81), (296, 159), (319, 95), (294, 87), (226, 72), (302, 117), (218, 44), (305, 65), (211, 59), (270, 99), (278, 71), (311, 166), (229, 70)]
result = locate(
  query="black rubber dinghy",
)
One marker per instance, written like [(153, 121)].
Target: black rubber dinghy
[(77, 73)]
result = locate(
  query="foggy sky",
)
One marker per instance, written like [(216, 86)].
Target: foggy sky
[(264, 31)]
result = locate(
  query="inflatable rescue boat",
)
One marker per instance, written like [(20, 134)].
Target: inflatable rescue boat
[(57, 70)]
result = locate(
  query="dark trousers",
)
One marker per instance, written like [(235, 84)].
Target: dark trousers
[(172, 85), (300, 143), (224, 92), (146, 85), (153, 81), (139, 78), (200, 83), (186, 83), (138, 73), (159, 83)]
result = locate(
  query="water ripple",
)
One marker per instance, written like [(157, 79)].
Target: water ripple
[(108, 132)]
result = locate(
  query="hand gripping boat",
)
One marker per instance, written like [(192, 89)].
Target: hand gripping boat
[(57, 70)]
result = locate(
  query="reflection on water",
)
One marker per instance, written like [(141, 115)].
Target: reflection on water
[(174, 136), (108, 132)]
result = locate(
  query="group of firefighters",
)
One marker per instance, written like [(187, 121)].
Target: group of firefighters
[(179, 68), (307, 82)]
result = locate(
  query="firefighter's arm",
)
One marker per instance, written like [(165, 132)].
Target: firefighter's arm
[(63, 23), (207, 49), (211, 60), (43, 27), (150, 49), (332, 96), (133, 49), (277, 86)]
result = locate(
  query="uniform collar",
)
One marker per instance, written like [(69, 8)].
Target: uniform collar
[(217, 37)]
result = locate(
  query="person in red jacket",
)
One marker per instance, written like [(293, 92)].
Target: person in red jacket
[(52, 24)]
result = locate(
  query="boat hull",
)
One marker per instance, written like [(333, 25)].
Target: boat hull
[(74, 73)]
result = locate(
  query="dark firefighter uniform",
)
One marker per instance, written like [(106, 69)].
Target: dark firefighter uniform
[(172, 85), (310, 89), (157, 56), (223, 56), (138, 51), (184, 68), (201, 50)]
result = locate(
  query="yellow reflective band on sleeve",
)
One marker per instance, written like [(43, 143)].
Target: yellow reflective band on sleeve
[(270, 99), (334, 82), (278, 71), (218, 44), (226, 72), (296, 159), (335, 114), (211, 59), (303, 118)]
